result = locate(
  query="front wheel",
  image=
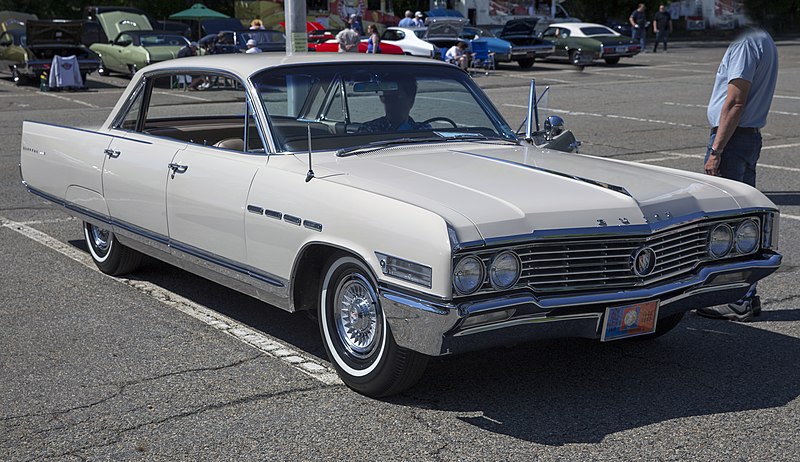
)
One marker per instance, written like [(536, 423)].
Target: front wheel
[(102, 71), (356, 335), (526, 63), (108, 254)]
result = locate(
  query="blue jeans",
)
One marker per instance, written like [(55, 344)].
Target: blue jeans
[(738, 163), (739, 157), (640, 33)]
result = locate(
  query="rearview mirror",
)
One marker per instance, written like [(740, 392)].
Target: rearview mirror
[(374, 87)]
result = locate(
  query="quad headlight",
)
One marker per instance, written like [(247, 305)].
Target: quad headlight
[(720, 241), (504, 270), (746, 239), (468, 275)]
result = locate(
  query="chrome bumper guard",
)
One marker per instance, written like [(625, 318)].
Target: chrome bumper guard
[(439, 328)]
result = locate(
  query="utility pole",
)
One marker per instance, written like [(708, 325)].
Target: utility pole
[(296, 35)]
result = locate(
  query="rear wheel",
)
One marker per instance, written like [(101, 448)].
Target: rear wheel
[(356, 334), (526, 63), (16, 77), (108, 254), (612, 60), (573, 57)]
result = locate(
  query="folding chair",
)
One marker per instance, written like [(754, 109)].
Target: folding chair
[(481, 58)]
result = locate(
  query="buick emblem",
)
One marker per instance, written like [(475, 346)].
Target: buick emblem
[(643, 261)]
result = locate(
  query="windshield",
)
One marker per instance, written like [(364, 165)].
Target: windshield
[(349, 106), (156, 40)]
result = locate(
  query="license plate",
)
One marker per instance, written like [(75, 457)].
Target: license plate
[(622, 49), (630, 320)]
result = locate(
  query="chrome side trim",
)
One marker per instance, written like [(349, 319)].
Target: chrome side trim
[(270, 288)]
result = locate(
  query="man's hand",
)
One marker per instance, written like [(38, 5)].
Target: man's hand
[(712, 165)]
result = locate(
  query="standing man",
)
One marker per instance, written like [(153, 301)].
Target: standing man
[(662, 26), (737, 112), (252, 47), (408, 21), (418, 22), (638, 21), (348, 39)]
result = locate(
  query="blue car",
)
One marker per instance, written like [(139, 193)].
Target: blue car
[(500, 47)]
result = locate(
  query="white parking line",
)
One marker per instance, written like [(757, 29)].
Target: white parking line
[(610, 116), (180, 95), (258, 340), (704, 106), (676, 155), (786, 97), (791, 217)]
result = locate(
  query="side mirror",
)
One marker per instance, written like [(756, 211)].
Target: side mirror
[(553, 126)]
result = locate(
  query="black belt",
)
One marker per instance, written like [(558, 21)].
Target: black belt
[(740, 130)]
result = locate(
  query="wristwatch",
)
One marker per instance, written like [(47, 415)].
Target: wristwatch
[(714, 152)]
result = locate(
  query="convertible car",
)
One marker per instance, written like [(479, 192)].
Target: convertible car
[(388, 196), (582, 43)]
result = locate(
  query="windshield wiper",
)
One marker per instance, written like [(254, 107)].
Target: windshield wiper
[(375, 145), (442, 137)]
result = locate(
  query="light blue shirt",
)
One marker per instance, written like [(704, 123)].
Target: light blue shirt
[(406, 22), (752, 57)]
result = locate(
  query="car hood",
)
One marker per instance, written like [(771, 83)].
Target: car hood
[(444, 28), (114, 22), (498, 191), (60, 32)]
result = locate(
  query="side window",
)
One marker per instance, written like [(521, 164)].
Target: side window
[(220, 117), (564, 33), (393, 35), (124, 40), (132, 117), (550, 32)]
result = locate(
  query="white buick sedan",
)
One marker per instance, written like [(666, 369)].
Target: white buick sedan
[(388, 196)]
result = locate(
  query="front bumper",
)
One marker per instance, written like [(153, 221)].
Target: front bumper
[(438, 328)]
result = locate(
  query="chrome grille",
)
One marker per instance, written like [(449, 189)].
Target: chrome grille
[(605, 263)]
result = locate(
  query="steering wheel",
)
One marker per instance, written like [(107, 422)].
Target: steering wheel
[(440, 119)]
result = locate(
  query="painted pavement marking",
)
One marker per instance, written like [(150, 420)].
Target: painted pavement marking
[(258, 340)]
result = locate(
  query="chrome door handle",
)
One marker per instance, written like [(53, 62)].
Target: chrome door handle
[(112, 154), (177, 168)]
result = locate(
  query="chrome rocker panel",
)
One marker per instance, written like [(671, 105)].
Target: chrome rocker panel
[(436, 328)]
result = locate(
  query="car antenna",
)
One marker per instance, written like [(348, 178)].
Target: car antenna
[(310, 173)]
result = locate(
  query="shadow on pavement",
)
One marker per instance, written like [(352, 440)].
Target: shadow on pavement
[(564, 391)]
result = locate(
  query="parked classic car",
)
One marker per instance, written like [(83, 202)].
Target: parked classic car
[(527, 46), (28, 53), (387, 195), (133, 50), (394, 41), (583, 42), (501, 48), (92, 13)]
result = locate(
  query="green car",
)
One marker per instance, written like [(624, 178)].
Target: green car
[(134, 49), (582, 43)]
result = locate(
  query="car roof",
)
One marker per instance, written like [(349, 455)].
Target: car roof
[(246, 64), (576, 25)]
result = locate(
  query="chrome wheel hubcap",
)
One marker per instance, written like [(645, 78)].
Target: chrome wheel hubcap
[(100, 238), (357, 319)]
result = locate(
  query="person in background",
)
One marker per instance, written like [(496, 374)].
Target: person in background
[(418, 22), (662, 26), (457, 55), (188, 50), (737, 111), (252, 47), (348, 40), (355, 24), (638, 22), (408, 20), (374, 40), (256, 24)]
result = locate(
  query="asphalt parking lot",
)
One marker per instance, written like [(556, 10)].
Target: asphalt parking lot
[(169, 366)]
